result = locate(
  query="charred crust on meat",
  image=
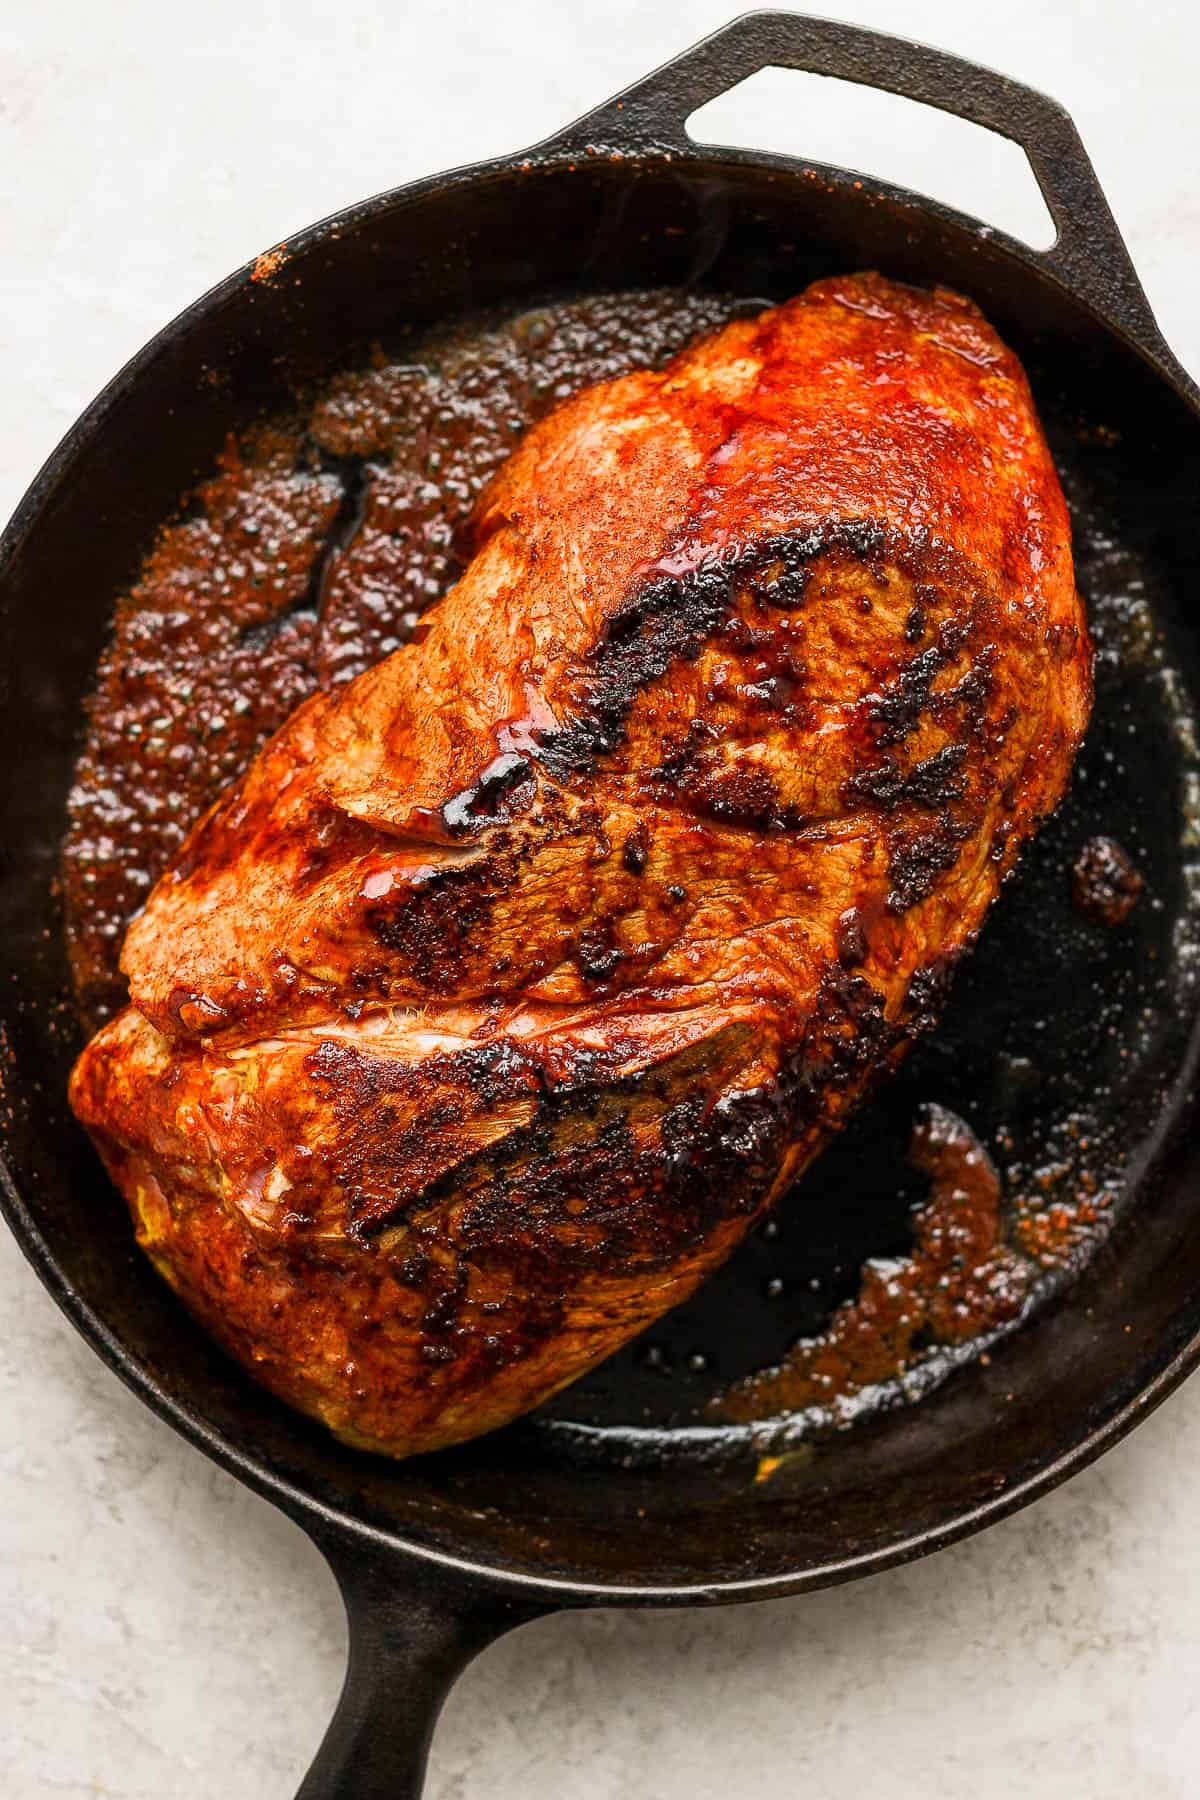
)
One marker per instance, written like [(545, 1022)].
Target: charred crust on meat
[(430, 927), (666, 618), (681, 760), (777, 572), (931, 785), (926, 993), (847, 1036), (895, 710), (974, 690), (739, 793), (597, 956), (599, 1161), (865, 539), (742, 1137), (916, 859), (636, 848)]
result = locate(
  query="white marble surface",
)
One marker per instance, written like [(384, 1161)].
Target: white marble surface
[(164, 1632)]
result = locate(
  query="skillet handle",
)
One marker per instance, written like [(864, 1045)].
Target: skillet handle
[(1089, 255), (413, 1631)]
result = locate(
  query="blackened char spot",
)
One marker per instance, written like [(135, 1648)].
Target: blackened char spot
[(972, 692), (746, 1131), (777, 572), (848, 1036), (863, 538), (917, 858), (926, 992), (668, 617), (632, 1168), (385, 1154), (683, 754), (896, 709), (931, 784), (635, 851), (598, 958), (431, 924)]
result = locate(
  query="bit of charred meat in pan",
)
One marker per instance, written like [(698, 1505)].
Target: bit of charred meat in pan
[(1105, 886)]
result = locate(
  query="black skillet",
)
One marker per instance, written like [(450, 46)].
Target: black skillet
[(437, 1557)]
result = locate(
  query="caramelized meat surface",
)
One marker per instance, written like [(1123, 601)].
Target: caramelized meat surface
[(475, 1024)]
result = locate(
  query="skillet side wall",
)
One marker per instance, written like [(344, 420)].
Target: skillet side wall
[(907, 1481)]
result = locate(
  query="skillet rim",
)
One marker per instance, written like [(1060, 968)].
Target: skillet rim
[(334, 1527)]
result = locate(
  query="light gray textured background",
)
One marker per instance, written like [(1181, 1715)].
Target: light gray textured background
[(162, 1632)]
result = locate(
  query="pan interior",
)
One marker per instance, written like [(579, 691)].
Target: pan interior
[(1065, 1045)]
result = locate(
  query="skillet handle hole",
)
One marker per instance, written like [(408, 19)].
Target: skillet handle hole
[(937, 154)]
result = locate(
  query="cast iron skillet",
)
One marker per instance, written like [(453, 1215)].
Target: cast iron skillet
[(437, 1557)]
